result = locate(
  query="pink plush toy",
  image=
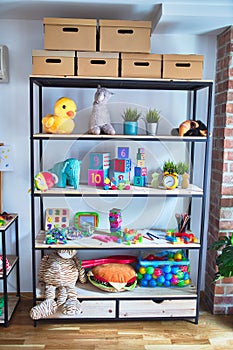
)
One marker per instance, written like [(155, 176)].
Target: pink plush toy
[(45, 180)]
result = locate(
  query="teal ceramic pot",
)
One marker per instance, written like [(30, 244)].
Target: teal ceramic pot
[(130, 128)]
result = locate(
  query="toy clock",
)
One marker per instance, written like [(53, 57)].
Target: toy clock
[(170, 181)]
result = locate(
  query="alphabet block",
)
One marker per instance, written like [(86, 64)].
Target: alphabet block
[(123, 152), (122, 165), (140, 181), (96, 177), (118, 176), (138, 171), (100, 160)]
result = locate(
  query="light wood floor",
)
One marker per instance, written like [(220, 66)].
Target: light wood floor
[(212, 332)]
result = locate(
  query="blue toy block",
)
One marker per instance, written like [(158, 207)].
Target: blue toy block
[(122, 152), (140, 181), (99, 160), (138, 171), (121, 176)]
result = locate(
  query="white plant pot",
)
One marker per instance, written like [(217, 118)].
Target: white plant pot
[(151, 128)]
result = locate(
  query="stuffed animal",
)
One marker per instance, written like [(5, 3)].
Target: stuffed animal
[(61, 122), (192, 128), (67, 172), (100, 117), (59, 272), (45, 180)]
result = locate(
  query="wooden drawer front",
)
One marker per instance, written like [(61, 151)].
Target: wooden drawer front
[(98, 309), (149, 308)]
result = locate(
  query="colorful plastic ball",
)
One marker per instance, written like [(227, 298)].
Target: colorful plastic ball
[(174, 280), (147, 276), (142, 270), (186, 276), (150, 270), (180, 283), (175, 269), (152, 283), (178, 256), (144, 283), (158, 272), (167, 283), (139, 275), (167, 269), (186, 282), (168, 276), (180, 275), (154, 276), (161, 279)]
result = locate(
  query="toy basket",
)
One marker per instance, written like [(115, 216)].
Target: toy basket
[(164, 269)]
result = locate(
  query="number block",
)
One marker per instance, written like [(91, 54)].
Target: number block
[(100, 160), (141, 163), (122, 152), (140, 156), (138, 171), (122, 165), (118, 176), (96, 177), (140, 181)]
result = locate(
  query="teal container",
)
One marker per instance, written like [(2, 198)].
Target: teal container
[(130, 128)]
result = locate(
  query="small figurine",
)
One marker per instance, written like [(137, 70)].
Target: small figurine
[(155, 180), (61, 122), (185, 181), (100, 117)]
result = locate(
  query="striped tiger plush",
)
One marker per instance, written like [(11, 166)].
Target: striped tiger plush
[(59, 272)]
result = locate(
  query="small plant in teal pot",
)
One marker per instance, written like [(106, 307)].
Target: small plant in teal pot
[(131, 117)]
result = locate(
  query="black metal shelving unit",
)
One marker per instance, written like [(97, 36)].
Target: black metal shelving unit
[(118, 307), (10, 300)]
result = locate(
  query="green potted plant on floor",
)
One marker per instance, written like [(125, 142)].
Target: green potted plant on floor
[(131, 117), (152, 117), (224, 259)]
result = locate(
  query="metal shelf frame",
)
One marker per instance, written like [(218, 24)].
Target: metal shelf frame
[(191, 87)]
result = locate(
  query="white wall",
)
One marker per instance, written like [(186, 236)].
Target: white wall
[(21, 37)]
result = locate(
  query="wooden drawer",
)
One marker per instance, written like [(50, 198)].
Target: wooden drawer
[(150, 308), (98, 309)]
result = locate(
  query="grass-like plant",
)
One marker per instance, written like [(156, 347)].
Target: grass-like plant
[(170, 167), (224, 260), (131, 115), (152, 116), (182, 168)]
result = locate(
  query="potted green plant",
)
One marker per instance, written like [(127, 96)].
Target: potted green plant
[(181, 169), (152, 117), (224, 259), (131, 117), (169, 167)]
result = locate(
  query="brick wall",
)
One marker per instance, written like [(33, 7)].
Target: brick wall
[(219, 296)]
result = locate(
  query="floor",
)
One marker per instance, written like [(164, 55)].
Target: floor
[(212, 332)]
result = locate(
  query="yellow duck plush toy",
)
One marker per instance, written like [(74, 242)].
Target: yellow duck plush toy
[(61, 122)]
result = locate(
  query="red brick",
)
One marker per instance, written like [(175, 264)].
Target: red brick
[(219, 310), (228, 155), (227, 190), (225, 225), (228, 280), (229, 290), (226, 202), (219, 290), (228, 179), (229, 108), (228, 132), (230, 310), (226, 214), (228, 143)]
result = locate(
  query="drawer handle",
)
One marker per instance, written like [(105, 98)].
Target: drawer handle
[(183, 65), (125, 31), (70, 29), (53, 60), (142, 64), (98, 62)]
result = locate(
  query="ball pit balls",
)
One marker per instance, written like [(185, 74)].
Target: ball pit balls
[(167, 274)]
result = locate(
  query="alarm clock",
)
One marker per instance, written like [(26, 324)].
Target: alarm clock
[(170, 181)]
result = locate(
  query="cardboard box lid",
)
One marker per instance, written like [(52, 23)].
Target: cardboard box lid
[(183, 58), (124, 23), (98, 55), (48, 53), (141, 56), (70, 21)]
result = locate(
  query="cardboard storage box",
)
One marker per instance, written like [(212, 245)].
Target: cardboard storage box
[(125, 36), (138, 65), (182, 66), (70, 34), (98, 64), (53, 62)]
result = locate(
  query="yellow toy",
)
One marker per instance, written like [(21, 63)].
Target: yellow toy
[(61, 122)]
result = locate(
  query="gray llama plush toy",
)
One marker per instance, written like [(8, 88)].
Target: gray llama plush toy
[(100, 117)]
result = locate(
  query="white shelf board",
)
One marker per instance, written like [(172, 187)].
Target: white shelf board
[(92, 243), (88, 291), (83, 190), (8, 222)]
